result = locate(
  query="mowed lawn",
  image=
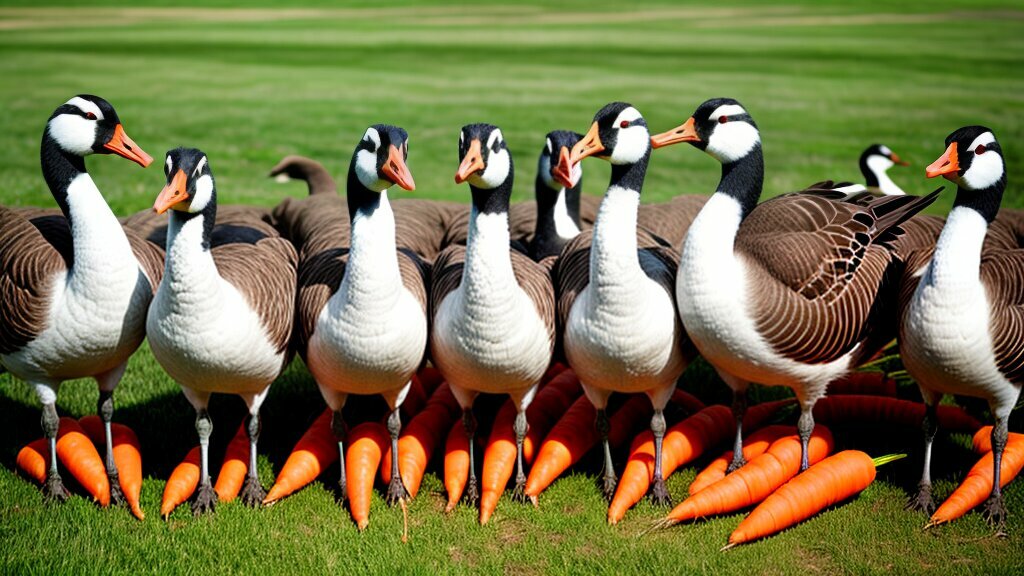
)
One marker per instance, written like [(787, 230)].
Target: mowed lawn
[(823, 80)]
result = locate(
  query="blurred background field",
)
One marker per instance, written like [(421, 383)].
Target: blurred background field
[(251, 84)]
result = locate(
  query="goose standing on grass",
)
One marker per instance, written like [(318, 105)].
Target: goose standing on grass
[(875, 162), (493, 308), (222, 317), (74, 289), (962, 331), (615, 286), (795, 291), (362, 312)]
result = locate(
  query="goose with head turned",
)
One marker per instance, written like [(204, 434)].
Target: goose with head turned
[(875, 162), (794, 291), (493, 308), (362, 312), (621, 332), (74, 288), (222, 317), (962, 328)]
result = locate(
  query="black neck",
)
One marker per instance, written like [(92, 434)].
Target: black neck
[(546, 241), (870, 178), (744, 179), (494, 200), (59, 169), (209, 214), (360, 198), (986, 202), (630, 176)]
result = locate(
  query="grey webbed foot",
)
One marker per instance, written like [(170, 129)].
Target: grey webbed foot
[(396, 491), (472, 494), (738, 461), (53, 489), (205, 499), (922, 501), (608, 485), (252, 492), (116, 495), (995, 513), (519, 492), (659, 493)]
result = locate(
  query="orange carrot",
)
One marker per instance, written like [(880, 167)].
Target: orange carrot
[(758, 414), (547, 408), (235, 467), (366, 445), (456, 464), (753, 445), (628, 419), (983, 439), (828, 482), (568, 441), (864, 383), (419, 437), (127, 457), (499, 460), (183, 482), (314, 452), (682, 443), (859, 410), (79, 456), (688, 401), (34, 458), (977, 486), (757, 480)]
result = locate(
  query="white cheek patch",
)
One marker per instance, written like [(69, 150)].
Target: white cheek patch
[(628, 115), (879, 164), (495, 136), (200, 166), (885, 150), (727, 110), (86, 106), (731, 141), (544, 169), (366, 171), (73, 133), (495, 173), (630, 145), (986, 139), (986, 169), (372, 135), (169, 164), (204, 192), (550, 147)]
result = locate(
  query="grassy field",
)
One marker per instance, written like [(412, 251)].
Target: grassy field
[(248, 86)]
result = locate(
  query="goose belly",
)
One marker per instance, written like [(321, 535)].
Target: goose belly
[(493, 349), (212, 344), (92, 327), (361, 351), (629, 345)]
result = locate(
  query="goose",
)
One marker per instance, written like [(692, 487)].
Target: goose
[(222, 317), (492, 308), (313, 173), (792, 292), (363, 314), (74, 288), (875, 162), (961, 331), (621, 332)]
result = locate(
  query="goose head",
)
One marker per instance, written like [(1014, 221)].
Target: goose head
[(379, 160), (618, 134), (720, 126), (87, 125), (879, 158), (190, 187), (484, 158), (557, 147), (973, 159)]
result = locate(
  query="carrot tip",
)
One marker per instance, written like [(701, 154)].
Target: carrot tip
[(727, 547), (138, 513), (930, 525), (533, 500), (362, 524)]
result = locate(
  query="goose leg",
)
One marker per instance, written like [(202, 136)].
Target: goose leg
[(396, 489), (472, 495), (521, 427), (205, 499), (995, 507), (739, 410), (659, 493), (609, 480), (804, 428), (923, 500), (105, 408), (252, 491), (54, 487), (340, 433)]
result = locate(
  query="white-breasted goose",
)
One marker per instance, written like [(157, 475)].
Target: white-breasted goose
[(875, 162), (74, 289), (792, 292), (221, 320), (493, 308), (621, 332), (962, 330), (362, 311)]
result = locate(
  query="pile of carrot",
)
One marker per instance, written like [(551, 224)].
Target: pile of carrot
[(456, 464), (419, 437), (313, 453), (234, 467), (859, 410), (755, 481), (78, 455), (977, 486), (182, 483), (127, 458), (366, 445), (753, 445)]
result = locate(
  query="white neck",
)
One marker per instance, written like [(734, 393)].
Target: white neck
[(372, 275), (712, 236), (190, 275), (98, 240), (487, 277), (958, 250), (613, 252), (880, 166), (564, 226)]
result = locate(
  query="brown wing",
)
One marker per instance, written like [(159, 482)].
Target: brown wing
[(150, 257), (319, 276), (313, 224), (446, 275), (522, 221), (1002, 274), (415, 275), (670, 220), (823, 279), (421, 225), (535, 280), (457, 232), (29, 257), (262, 266), (589, 206)]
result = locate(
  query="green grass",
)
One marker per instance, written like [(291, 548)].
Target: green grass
[(822, 80)]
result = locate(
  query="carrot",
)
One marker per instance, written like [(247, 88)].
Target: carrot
[(367, 442), (688, 401), (419, 437), (758, 414), (456, 464), (127, 457), (235, 467), (859, 409), (828, 482), (628, 419), (553, 370), (415, 399), (982, 439), (682, 443), (977, 486), (864, 383), (79, 456), (34, 458), (755, 481), (547, 408), (313, 453), (753, 445), (568, 441), (430, 378), (183, 482), (499, 460)]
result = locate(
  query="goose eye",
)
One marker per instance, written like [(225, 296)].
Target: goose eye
[(90, 115), (624, 124), (980, 149), (723, 119)]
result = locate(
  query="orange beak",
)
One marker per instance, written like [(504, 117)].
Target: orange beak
[(562, 172), (686, 132), (897, 160), (172, 194), (396, 170), (125, 147), (472, 162), (945, 165)]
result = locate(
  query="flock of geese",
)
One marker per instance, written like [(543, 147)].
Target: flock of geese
[(794, 291)]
